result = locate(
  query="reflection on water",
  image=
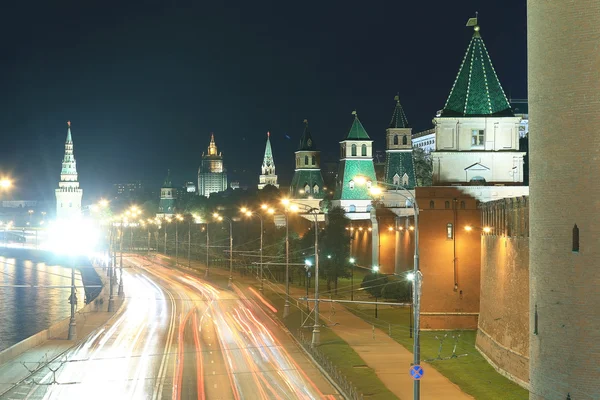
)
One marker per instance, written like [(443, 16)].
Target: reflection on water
[(26, 311)]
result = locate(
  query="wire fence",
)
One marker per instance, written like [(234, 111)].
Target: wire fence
[(350, 392)]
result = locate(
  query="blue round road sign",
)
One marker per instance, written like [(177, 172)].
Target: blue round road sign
[(416, 371)]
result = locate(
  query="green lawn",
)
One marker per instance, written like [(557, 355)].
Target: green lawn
[(469, 370)]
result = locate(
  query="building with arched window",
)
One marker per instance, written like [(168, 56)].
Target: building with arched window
[(399, 166), (168, 194), (307, 182), (356, 172), (68, 194)]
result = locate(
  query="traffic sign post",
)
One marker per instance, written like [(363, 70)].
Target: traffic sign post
[(416, 371)]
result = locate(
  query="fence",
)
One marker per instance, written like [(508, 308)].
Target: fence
[(349, 391)]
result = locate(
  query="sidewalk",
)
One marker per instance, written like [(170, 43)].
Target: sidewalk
[(389, 359), (17, 369)]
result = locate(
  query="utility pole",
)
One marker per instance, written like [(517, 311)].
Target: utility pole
[(111, 300), (316, 334), (417, 305), (120, 290), (189, 243), (73, 301), (176, 242), (230, 252), (286, 307), (262, 280), (207, 257)]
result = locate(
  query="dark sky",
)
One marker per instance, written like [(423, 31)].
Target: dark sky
[(145, 82)]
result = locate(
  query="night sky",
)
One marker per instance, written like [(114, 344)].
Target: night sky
[(146, 82)]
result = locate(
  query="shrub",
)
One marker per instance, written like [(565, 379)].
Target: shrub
[(400, 291), (373, 283)]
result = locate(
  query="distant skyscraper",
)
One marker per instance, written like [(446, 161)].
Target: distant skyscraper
[(212, 175), (307, 181), (68, 194), (168, 194), (399, 165), (268, 176)]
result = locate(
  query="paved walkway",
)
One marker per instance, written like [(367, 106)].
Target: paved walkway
[(388, 358)]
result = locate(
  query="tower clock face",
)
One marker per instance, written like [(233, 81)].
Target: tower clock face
[(309, 142)]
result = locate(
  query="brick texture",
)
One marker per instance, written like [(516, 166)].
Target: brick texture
[(564, 106)]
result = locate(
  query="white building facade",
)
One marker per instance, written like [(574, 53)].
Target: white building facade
[(68, 194)]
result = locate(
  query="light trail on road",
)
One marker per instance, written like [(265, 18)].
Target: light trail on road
[(179, 337)]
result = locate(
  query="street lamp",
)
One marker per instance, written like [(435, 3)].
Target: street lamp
[(353, 262), (418, 277), (198, 220), (221, 218), (249, 214), (178, 218), (286, 307), (316, 333)]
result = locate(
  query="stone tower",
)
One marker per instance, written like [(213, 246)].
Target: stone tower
[(477, 133), (212, 175), (168, 194), (268, 176), (307, 181), (356, 166), (564, 83), (399, 165), (68, 194)]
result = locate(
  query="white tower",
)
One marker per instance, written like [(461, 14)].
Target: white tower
[(68, 194), (268, 176)]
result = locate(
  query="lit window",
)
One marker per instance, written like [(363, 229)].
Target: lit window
[(477, 137), (316, 189), (462, 205), (306, 188), (405, 180), (449, 231), (351, 184), (305, 160), (396, 180), (369, 184)]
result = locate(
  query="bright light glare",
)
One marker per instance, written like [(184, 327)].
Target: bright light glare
[(468, 228), (215, 215), (375, 190), (376, 268), (243, 210), (487, 229), (360, 180), (271, 211), (285, 202), (5, 183), (410, 276), (103, 203), (294, 208), (308, 263), (352, 260), (264, 206), (73, 237)]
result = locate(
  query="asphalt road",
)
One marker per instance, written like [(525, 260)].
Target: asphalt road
[(180, 338)]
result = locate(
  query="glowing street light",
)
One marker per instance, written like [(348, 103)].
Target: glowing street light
[(5, 183), (410, 276), (375, 268)]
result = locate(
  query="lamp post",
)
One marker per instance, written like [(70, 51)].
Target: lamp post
[(294, 207), (166, 221), (418, 277), (353, 262), (73, 301), (221, 218), (286, 307), (249, 213), (178, 218), (190, 243)]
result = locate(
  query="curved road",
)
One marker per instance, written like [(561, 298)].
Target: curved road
[(180, 338)]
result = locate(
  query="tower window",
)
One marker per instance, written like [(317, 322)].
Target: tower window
[(351, 184), (314, 160), (449, 231), (369, 184), (354, 150), (432, 204), (395, 139), (462, 205), (364, 150), (396, 180), (305, 160), (447, 205), (575, 239), (306, 188), (316, 189), (405, 180), (477, 137), (404, 140)]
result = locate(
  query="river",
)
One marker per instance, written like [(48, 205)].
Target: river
[(25, 311)]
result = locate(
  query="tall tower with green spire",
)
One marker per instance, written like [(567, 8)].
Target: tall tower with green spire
[(399, 165), (356, 172), (268, 177), (68, 194), (168, 194), (308, 181), (477, 134)]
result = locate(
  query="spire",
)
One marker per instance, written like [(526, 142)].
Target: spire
[(69, 139), (212, 147), (476, 92), (398, 117), (357, 131), (268, 159), (306, 141), (167, 182)]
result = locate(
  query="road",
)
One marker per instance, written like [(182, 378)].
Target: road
[(180, 338)]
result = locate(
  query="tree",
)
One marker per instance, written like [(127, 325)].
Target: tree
[(334, 246), (423, 167), (400, 291), (373, 283)]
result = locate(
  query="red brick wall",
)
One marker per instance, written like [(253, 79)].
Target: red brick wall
[(445, 262)]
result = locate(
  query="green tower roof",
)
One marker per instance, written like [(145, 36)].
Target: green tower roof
[(306, 140), (69, 138), (357, 131), (398, 118), (268, 159), (476, 91)]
